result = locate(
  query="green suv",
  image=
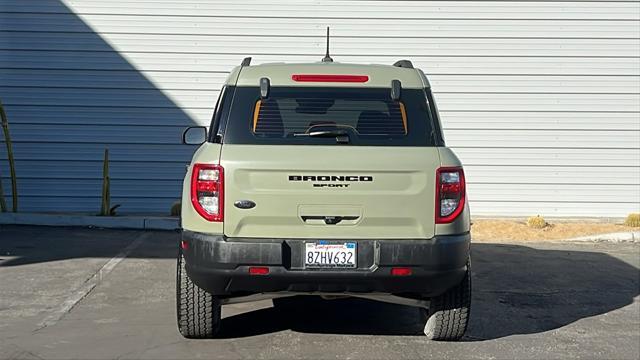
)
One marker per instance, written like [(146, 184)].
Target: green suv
[(324, 179)]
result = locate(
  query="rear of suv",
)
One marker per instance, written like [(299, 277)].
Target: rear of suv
[(324, 179)]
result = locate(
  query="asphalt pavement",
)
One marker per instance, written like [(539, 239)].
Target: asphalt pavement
[(105, 294)]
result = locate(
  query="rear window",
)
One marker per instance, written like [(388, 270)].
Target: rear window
[(296, 115)]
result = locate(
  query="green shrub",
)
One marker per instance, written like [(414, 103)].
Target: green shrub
[(536, 222), (633, 219)]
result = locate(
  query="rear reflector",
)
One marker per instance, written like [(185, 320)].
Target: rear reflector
[(258, 270), (400, 271), (330, 78), (207, 191), (184, 245)]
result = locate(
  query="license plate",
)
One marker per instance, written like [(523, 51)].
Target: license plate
[(330, 255)]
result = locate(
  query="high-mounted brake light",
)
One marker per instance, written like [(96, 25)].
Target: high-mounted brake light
[(207, 191), (330, 78), (450, 194)]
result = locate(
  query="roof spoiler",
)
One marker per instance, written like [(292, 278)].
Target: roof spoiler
[(403, 64)]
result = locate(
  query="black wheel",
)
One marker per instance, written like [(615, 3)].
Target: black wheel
[(448, 314), (198, 311)]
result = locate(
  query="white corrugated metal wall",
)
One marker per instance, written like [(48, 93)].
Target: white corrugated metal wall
[(541, 99)]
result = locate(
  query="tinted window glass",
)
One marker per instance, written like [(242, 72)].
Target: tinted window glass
[(282, 117), (367, 116)]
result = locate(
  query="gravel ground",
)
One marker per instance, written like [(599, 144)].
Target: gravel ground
[(518, 231)]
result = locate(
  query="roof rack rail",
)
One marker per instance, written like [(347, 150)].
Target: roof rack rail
[(403, 64), (246, 61)]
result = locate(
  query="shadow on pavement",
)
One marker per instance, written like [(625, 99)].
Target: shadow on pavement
[(312, 314), (517, 289), (23, 245)]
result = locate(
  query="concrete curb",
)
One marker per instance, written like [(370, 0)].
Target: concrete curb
[(110, 222), (633, 236)]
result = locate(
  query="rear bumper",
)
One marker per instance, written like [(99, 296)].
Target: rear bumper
[(220, 265)]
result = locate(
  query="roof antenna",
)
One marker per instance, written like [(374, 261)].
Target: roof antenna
[(326, 57)]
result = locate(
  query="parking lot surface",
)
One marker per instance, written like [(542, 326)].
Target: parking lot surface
[(104, 294)]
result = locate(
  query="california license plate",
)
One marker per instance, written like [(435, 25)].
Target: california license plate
[(330, 255)]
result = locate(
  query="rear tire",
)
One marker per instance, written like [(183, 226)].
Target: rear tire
[(448, 314), (198, 311)]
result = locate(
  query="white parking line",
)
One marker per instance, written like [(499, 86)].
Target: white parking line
[(84, 290)]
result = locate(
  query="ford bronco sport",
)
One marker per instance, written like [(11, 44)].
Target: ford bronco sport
[(324, 179)]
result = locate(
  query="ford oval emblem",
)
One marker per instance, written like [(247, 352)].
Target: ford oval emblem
[(244, 204)]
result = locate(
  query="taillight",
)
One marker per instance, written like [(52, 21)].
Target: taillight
[(450, 194), (207, 191)]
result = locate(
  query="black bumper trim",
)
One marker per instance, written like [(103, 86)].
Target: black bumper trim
[(220, 265)]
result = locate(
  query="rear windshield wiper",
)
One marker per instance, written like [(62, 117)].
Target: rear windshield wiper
[(341, 136)]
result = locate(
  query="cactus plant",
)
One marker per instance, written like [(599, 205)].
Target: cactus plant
[(106, 193), (175, 208), (12, 164), (3, 202), (106, 209)]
